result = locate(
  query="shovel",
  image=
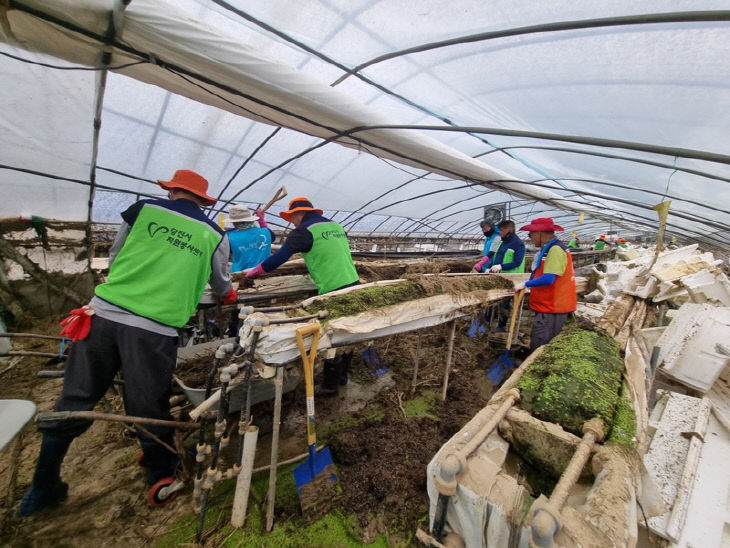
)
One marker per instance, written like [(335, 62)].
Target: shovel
[(503, 364), (371, 357), (315, 477), (281, 193)]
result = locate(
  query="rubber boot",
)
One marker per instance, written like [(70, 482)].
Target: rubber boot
[(330, 379), (343, 367), (158, 460), (47, 489)]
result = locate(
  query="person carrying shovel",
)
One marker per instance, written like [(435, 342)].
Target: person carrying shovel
[(250, 245), (326, 252), (552, 282), (163, 255)]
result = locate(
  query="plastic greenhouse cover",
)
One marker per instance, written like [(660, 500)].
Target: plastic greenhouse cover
[(605, 108)]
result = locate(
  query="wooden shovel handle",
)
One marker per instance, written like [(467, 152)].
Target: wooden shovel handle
[(308, 358), (517, 303), (281, 193), (308, 363)]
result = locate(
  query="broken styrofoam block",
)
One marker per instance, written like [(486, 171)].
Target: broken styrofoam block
[(709, 285), (679, 423), (688, 350), (708, 522), (594, 296)]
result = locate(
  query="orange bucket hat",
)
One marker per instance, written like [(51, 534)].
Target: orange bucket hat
[(298, 204), (190, 181)]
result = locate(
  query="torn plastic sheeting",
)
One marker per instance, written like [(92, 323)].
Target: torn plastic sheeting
[(404, 317), (486, 498), (277, 344)]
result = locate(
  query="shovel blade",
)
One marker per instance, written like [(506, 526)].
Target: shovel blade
[(371, 357), (317, 485), (499, 369), (312, 467)]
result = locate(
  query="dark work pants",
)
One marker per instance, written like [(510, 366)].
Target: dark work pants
[(544, 328), (146, 360)]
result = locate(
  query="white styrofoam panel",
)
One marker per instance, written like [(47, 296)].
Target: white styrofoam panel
[(688, 346)]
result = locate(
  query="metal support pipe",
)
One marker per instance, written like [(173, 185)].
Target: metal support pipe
[(455, 463), (545, 522), (449, 354), (415, 365)]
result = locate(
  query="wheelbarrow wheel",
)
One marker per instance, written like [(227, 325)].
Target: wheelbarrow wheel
[(156, 498)]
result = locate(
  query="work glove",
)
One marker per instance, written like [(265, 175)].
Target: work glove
[(478, 267), (520, 286), (260, 215), (77, 325), (254, 272), (231, 297), (496, 269)]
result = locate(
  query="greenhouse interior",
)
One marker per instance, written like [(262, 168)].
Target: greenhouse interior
[(402, 273)]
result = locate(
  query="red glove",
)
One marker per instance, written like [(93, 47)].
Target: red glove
[(77, 325), (231, 297), (260, 215), (255, 272), (478, 267)]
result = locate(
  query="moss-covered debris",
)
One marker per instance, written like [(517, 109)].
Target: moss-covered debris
[(359, 300), (576, 378), (623, 430)]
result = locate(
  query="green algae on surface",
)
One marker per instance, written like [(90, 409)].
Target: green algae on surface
[(359, 300), (421, 406), (623, 430), (333, 530), (576, 378)]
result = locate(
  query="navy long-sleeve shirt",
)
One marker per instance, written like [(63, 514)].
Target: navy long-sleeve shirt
[(299, 240), (510, 241)]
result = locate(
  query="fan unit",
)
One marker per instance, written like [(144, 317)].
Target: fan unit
[(495, 213)]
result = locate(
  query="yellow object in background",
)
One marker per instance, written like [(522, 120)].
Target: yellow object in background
[(580, 217), (222, 221)]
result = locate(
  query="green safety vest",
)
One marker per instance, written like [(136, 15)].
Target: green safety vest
[(509, 256), (599, 245), (329, 261), (573, 243), (163, 266)]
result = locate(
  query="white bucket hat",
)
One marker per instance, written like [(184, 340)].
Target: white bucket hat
[(240, 214)]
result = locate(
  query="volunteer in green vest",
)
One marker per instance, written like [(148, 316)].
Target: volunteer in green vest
[(600, 243), (326, 252), (509, 258), (164, 254)]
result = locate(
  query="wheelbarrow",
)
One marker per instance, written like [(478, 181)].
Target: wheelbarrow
[(261, 389)]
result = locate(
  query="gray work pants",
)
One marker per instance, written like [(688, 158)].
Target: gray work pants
[(544, 328)]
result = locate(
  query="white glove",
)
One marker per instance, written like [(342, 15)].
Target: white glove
[(496, 269), (519, 286)]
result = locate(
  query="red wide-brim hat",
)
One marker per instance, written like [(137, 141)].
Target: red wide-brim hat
[(542, 224)]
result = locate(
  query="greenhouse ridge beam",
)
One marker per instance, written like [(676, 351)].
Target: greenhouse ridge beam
[(595, 141), (642, 19), (610, 156)]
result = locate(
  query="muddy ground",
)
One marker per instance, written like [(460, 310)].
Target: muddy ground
[(381, 434)]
